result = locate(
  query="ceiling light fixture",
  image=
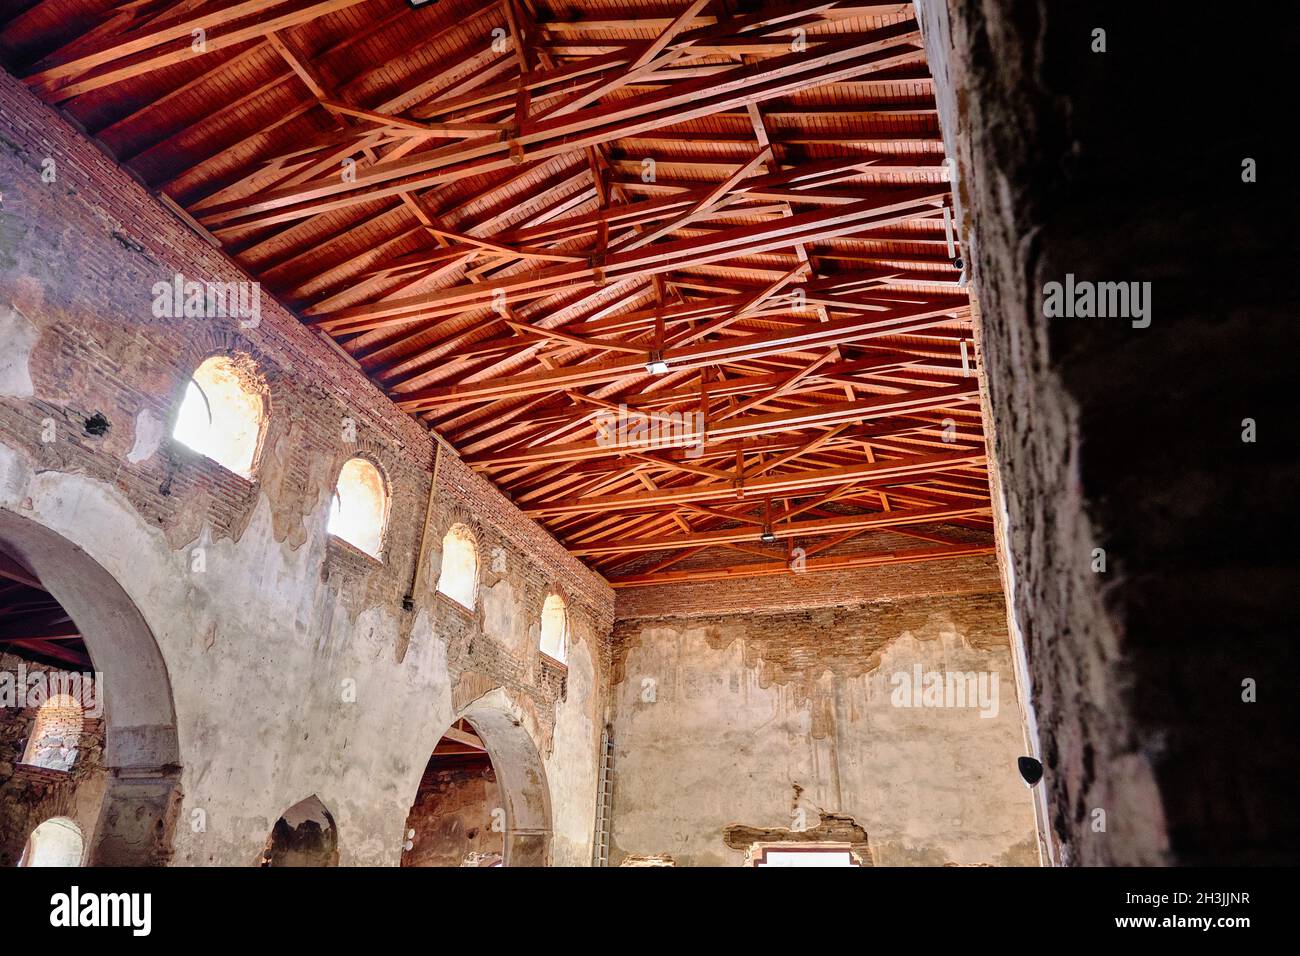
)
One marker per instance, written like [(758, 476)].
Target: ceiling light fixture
[(767, 537), (1031, 771), (655, 364)]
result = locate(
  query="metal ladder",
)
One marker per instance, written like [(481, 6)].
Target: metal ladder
[(604, 794)]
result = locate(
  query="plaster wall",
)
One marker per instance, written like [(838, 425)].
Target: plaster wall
[(292, 666), (783, 719)]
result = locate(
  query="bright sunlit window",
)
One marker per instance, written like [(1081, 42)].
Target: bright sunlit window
[(459, 576), (221, 415), (56, 734), (796, 855), (555, 628), (360, 506)]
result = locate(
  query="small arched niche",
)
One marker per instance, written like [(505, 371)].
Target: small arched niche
[(56, 842), (555, 628), (458, 578), (304, 836), (222, 414), (359, 509)]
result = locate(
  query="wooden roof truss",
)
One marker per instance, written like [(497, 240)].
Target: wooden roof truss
[(725, 224)]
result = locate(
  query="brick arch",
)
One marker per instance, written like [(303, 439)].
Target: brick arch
[(252, 364), (194, 349), (454, 517), (367, 452), (537, 611)]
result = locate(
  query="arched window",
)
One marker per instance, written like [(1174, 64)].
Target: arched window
[(555, 628), (221, 415), (56, 842), (304, 836), (359, 510), (459, 577), (56, 734)]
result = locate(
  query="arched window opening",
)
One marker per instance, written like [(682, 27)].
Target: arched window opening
[(305, 836), (56, 842), (221, 415), (359, 510), (56, 734), (555, 628), (459, 576)]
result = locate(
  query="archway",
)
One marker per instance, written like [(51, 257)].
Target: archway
[(56, 842), (141, 752), (509, 772)]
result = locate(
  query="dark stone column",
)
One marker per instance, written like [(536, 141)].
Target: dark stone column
[(1127, 166)]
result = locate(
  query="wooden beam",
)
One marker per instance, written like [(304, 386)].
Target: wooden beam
[(893, 469), (810, 566), (794, 529)]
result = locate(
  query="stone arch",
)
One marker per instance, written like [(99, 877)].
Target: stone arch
[(520, 774), (142, 752), (56, 842)]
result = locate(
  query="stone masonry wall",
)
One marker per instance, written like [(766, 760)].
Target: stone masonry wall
[(1140, 143)]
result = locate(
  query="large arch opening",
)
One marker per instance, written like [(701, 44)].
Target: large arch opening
[(91, 646), (483, 798), (56, 842)]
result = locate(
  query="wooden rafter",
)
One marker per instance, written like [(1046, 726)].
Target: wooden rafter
[(728, 224)]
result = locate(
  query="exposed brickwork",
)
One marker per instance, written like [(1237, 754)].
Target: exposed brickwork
[(973, 575), (80, 256), (802, 644), (774, 719)]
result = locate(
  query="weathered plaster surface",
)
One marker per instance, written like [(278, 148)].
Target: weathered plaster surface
[(293, 668), (711, 730)]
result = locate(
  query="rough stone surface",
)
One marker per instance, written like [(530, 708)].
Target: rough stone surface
[(29, 798), (453, 817), (1127, 166)]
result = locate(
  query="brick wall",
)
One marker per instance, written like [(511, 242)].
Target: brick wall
[(81, 255), (237, 579), (973, 575)]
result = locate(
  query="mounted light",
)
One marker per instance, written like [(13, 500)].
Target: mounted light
[(1031, 771), (767, 537), (656, 364)]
